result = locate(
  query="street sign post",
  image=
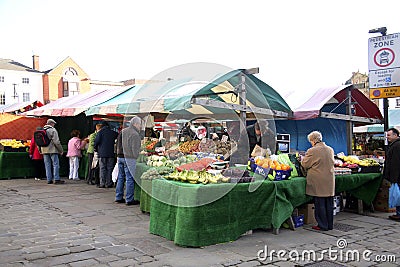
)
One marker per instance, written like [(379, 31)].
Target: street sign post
[(384, 66)]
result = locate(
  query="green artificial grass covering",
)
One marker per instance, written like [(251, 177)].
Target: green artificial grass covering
[(16, 165), (177, 212)]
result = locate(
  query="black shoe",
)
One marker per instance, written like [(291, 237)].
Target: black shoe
[(120, 201), (59, 182), (134, 202), (49, 182), (110, 186), (101, 186)]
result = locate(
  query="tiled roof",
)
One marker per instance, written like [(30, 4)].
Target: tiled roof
[(9, 64)]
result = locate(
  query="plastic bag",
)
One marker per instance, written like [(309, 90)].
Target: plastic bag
[(115, 173), (394, 195)]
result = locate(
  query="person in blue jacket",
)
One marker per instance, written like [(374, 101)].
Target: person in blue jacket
[(104, 145)]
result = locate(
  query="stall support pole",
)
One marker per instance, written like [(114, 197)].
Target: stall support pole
[(242, 98), (349, 122)]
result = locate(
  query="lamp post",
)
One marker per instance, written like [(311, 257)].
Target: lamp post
[(383, 31)]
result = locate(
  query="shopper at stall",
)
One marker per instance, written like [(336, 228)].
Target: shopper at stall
[(37, 158), (186, 134), (319, 165), (51, 153), (91, 172), (128, 148), (75, 147), (391, 170), (104, 145)]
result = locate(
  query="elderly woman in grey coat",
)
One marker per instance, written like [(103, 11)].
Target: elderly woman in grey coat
[(319, 164)]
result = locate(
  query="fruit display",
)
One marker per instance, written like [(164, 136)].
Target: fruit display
[(216, 146), (160, 161), (238, 175), (149, 145), (196, 177), (354, 162), (271, 164), (13, 145), (155, 173), (198, 165), (189, 147)]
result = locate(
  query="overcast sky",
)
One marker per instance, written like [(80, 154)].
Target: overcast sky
[(298, 45)]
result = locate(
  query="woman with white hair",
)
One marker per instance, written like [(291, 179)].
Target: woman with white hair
[(319, 164)]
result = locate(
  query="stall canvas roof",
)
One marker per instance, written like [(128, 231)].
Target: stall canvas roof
[(313, 106), (74, 105), (394, 121), (20, 107), (187, 96)]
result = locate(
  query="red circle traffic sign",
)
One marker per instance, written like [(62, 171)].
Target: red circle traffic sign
[(385, 58)]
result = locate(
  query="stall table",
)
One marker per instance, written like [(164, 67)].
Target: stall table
[(19, 165), (238, 211), (15, 165)]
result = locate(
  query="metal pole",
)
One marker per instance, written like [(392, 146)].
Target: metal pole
[(242, 98), (383, 31), (349, 122), (385, 115)]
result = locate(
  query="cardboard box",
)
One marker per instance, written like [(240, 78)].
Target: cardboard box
[(382, 204), (383, 193), (308, 211), (298, 220)]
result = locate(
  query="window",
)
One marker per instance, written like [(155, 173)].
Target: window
[(1, 79), (25, 97), (398, 102), (25, 80), (70, 82), (2, 98)]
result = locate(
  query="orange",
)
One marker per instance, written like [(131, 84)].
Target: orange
[(272, 166)]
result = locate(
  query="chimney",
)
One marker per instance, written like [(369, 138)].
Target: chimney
[(35, 62)]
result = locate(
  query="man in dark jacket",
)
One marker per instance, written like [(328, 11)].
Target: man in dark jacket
[(391, 171), (128, 148), (260, 134), (104, 145)]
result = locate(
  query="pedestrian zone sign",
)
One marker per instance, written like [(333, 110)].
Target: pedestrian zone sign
[(384, 66)]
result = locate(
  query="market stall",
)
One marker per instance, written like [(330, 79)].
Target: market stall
[(198, 206), (238, 211), (15, 136), (333, 111)]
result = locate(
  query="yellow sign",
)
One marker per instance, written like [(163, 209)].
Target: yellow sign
[(375, 93)]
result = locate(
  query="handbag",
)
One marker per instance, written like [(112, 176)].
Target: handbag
[(394, 195)]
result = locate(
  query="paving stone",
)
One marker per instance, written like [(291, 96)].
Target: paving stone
[(80, 248), (109, 258), (102, 244), (84, 263), (249, 264), (116, 250), (231, 262), (57, 252), (122, 263), (34, 256), (144, 259), (131, 254)]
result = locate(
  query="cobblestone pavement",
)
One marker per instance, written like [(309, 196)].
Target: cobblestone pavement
[(76, 224)]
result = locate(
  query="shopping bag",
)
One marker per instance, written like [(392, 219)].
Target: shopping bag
[(394, 195), (115, 173), (95, 160)]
